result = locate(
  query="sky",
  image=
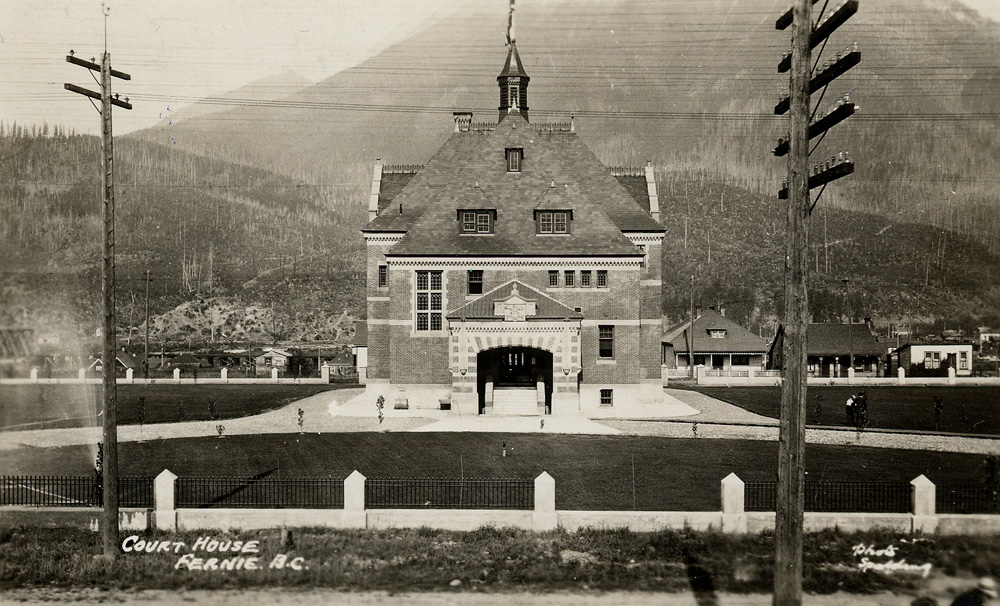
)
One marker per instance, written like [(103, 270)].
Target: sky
[(197, 48), (190, 48)]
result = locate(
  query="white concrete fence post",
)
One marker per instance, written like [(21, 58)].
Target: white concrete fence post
[(354, 501), (224, 375), (177, 375), (734, 517), (324, 373), (274, 375), (129, 376), (901, 375), (82, 374), (164, 503), (700, 374), (951, 375), (544, 516), (924, 503), (34, 375)]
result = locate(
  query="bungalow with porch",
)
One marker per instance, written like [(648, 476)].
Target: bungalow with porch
[(718, 343), (833, 348)]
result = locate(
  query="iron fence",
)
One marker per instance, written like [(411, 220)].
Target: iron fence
[(260, 492), (449, 493), (841, 497), (967, 498), (72, 491)]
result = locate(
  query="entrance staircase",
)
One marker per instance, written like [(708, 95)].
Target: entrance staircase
[(508, 401)]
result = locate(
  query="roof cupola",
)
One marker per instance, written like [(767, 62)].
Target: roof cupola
[(513, 81)]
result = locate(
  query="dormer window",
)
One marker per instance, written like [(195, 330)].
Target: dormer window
[(514, 157), (553, 221), (477, 221), (717, 333)]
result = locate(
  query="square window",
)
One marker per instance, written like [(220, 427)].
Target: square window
[(545, 223), (468, 222), (569, 276), (602, 278), (553, 278), (383, 275), (607, 397), (605, 341), (475, 281), (585, 278), (483, 223), (559, 223)]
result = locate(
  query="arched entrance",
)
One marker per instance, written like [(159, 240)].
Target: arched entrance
[(514, 380)]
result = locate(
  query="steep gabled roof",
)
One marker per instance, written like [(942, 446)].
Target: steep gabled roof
[(737, 339), (546, 308), (470, 171)]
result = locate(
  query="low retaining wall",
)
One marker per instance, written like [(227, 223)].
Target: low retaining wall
[(257, 519), (71, 517)]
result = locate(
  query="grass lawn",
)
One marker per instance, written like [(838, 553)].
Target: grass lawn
[(591, 472), (52, 406), (493, 560), (966, 409)]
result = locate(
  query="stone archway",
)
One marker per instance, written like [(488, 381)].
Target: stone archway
[(514, 380), (558, 341)]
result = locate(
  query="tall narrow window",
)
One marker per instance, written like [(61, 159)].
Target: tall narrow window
[(585, 278), (553, 278), (514, 157), (606, 341), (569, 277), (602, 278), (475, 281), (383, 275), (429, 300), (513, 96)]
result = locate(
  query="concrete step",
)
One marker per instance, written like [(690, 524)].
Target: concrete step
[(515, 402)]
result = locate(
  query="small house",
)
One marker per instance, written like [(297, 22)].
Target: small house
[(832, 348), (717, 342), (933, 358)]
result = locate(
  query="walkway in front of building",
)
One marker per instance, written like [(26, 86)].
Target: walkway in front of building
[(348, 410)]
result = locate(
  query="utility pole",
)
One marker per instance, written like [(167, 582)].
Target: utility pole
[(805, 79), (109, 522), (791, 439), (690, 333), (145, 342)]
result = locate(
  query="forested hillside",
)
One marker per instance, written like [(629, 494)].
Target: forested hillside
[(239, 237), (685, 84)]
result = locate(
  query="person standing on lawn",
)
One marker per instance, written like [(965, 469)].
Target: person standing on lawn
[(984, 593), (938, 410), (861, 411), (850, 410)]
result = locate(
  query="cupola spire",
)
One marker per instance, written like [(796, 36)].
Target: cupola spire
[(513, 81)]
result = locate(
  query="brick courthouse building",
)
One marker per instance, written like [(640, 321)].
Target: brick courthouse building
[(513, 273)]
